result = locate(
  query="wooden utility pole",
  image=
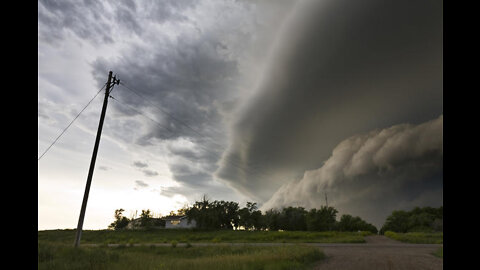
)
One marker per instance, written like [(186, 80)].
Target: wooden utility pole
[(94, 157)]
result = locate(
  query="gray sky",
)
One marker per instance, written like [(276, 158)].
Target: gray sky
[(233, 99)]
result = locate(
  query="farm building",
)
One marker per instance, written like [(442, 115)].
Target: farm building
[(178, 222), (169, 222), (156, 223)]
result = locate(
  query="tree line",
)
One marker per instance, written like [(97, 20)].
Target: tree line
[(218, 215), (426, 219)]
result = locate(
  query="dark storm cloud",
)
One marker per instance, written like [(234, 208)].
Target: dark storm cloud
[(210, 188), (125, 14), (167, 10), (338, 69), (187, 83), (101, 21), (183, 79), (88, 20), (372, 174)]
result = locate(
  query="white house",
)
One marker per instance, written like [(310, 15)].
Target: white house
[(178, 222)]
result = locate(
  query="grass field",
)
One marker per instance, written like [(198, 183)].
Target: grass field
[(191, 236), (439, 253), (417, 237), (59, 256)]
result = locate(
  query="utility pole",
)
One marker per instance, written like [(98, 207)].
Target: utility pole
[(94, 157)]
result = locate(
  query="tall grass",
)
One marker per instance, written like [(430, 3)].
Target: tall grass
[(192, 236), (417, 237), (193, 258)]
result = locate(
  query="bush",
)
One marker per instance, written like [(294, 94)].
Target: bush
[(425, 219), (417, 237)]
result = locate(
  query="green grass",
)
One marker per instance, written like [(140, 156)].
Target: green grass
[(191, 236), (439, 253), (58, 256), (417, 237)]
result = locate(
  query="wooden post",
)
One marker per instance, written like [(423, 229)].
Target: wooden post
[(92, 163)]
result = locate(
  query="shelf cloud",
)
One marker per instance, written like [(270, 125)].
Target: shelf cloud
[(337, 69), (374, 173)]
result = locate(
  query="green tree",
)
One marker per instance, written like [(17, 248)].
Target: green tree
[(214, 215), (424, 219), (120, 222), (146, 219), (271, 220), (293, 219), (350, 224), (396, 222), (323, 219), (250, 217)]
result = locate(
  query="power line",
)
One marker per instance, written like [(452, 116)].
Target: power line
[(198, 133), (71, 122), (162, 126), (139, 112), (169, 114)]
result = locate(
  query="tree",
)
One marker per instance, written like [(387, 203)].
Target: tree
[(146, 219), (120, 222), (271, 220), (396, 222), (249, 217), (323, 219), (349, 223), (214, 215), (293, 219), (418, 219)]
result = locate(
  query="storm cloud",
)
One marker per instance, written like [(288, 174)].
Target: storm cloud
[(189, 64), (372, 174), (337, 69), (259, 98)]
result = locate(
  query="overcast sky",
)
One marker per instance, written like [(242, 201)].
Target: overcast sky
[(277, 102)]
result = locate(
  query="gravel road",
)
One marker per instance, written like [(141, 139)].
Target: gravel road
[(380, 252)]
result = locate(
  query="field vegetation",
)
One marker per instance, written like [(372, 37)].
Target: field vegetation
[(439, 253), (196, 236), (417, 237), (177, 258), (226, 222), (418, 226)]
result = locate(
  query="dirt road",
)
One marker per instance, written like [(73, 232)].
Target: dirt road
[(380, 252)]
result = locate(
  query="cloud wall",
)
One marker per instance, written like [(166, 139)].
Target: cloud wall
[(374, 173), (338, 68)]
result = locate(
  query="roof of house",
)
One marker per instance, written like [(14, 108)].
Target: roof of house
[(174, 217), (138, 219)]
